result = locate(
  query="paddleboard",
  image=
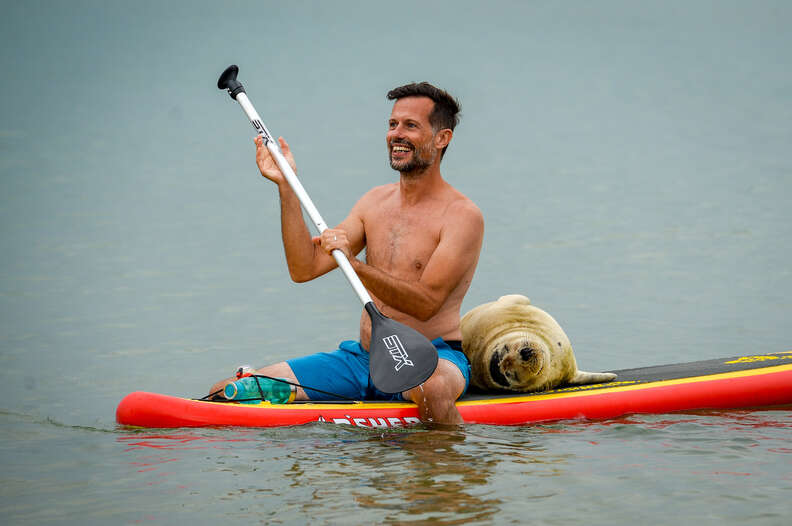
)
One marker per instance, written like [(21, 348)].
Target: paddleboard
[(749, 381)]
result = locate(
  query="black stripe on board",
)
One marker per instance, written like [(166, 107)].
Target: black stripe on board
[(659, 373)]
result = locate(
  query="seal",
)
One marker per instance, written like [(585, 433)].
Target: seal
[(514, 346)]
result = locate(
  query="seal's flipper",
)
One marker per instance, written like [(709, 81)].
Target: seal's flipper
[(584, 378)]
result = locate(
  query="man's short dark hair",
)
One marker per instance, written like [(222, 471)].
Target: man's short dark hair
[(445, 113)]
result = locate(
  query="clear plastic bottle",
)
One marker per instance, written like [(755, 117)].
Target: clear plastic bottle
[(274, 391)]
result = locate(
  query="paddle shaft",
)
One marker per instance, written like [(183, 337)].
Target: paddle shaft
[(302, 195)]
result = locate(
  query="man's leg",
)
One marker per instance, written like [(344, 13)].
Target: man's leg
[(278, 370), (436, 397)]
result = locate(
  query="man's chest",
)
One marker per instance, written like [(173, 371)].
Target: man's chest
[(401, 242)]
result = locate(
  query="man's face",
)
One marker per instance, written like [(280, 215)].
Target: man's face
[(410, 136)]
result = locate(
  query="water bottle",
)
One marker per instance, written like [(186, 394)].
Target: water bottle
[(273, 390)]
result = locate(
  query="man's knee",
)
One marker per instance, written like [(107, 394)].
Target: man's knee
[(446, 384)]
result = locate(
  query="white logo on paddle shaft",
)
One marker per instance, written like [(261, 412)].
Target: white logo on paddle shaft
[(397, 352)]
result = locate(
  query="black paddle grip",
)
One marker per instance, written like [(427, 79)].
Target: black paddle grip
[(228, 80)]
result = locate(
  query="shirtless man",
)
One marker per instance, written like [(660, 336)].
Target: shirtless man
[(422, 240)]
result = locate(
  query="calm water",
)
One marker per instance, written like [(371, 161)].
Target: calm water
[(632, 165)]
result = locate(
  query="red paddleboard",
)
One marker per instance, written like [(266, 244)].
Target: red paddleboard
[(750, 381)]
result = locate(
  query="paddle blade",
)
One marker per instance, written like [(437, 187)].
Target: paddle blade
[(400, 357)]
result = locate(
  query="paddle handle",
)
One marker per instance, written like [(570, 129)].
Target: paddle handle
[(291, 177)]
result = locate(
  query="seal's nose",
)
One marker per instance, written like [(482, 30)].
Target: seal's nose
[(526, 353)]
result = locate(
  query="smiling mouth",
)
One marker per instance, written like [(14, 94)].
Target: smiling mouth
[(400, 148)]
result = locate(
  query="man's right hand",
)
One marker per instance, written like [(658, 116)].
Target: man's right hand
[(266, 163)]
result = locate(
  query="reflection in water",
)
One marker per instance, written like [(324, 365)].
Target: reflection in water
[(434, 481), (338, 474), (413, 476), (180, 441)]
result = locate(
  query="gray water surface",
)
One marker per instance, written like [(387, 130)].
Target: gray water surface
[(632, 164)]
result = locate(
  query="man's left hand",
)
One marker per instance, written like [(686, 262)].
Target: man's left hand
[(332, 239)]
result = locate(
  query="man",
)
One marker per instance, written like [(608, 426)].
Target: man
[(422, 240)]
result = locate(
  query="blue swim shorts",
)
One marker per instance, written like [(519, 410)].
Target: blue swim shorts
[(345, 371)]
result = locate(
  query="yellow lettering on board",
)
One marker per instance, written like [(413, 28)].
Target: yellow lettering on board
[(761, 358), (592, 386)]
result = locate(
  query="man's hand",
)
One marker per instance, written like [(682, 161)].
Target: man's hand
[(334, 238), (266, 163)]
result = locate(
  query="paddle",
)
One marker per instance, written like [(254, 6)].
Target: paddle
[(400, 358)]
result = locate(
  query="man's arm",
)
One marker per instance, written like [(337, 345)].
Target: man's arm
[(309, 258), (457, 252), (304, 258)]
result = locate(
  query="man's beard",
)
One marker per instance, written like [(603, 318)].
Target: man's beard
[(421, 158)]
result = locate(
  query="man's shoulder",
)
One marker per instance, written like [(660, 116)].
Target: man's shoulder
[(462, 204), (382, 190), (378, 194)]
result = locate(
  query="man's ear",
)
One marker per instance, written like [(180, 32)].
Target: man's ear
[(442, 138)]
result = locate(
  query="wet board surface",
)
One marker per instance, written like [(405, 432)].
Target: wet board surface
[(746, 381)]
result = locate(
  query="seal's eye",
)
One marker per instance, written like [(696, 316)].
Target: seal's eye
[(495, 370)]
